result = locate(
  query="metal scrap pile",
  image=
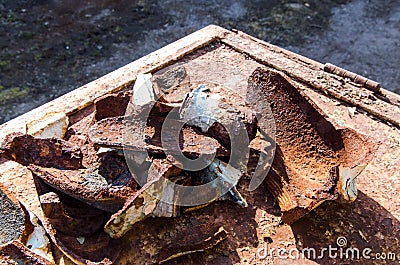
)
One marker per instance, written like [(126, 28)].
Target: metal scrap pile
[(129, 159)]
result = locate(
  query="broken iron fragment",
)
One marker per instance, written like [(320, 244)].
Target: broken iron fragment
[(120, 133), (161, 197), (171, 84), (105, 186), (18, 224), (222, 179), (112, 105), (95, 249), (148, 200), (309, 148), (76, 228), (76, 219), (228, 120), (48, 152), (16, 253)]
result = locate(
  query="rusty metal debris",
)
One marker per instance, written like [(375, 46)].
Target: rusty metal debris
[(75, 228), (315, 159), (171, 84), (208, 109), (76, 219), (97, 248), (144, 203), (49, 152), (21, 231), (105, 186), (109, 133), (152, 200), (17, 253), (112, 105)]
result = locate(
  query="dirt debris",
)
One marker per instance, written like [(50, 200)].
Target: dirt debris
[(12, 217)]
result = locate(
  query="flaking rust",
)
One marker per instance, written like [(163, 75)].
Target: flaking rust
[(112, 105), (73, 219), (105, 186), (158, 196), (145, 202), (110, 133), (76, 228), (16, 253), (47, 152), (315, 159)]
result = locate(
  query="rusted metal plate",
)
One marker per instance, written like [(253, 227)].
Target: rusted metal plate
[(144, 202), (106, 186), (73, 219), (49, 152), (112, 105), (16, 253), (311, 151), (198, 238), (97, 248), (110, 133), (75, 228), (311, 73), (160, 197)]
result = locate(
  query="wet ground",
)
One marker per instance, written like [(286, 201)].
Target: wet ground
[(50, 47)]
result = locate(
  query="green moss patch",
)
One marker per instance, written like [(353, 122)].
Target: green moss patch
[(13, 93)]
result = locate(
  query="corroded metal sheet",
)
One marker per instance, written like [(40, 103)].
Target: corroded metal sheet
[(75, 219), (48, 152), (112, 105), (96, 186), (110, 133), (198, 238), (311, 151), (144, 202), (75, 228), (16, 253)]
